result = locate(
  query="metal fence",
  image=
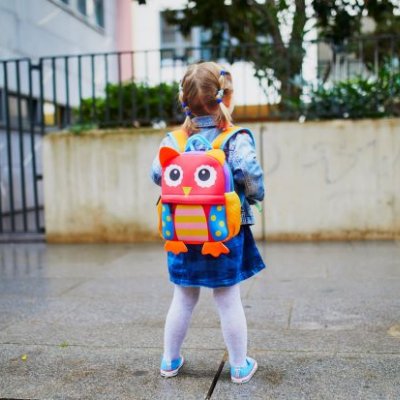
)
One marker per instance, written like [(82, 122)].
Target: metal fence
[(140, 89)]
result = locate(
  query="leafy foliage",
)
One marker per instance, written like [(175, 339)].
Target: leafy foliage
[(359, 97), (131, 104)]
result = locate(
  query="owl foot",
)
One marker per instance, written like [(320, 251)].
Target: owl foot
[(214, 249), (175, 246)]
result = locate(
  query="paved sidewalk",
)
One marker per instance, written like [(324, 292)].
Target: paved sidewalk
[(86, 322)]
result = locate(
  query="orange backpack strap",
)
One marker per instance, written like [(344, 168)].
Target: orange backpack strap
[(179, 138), (222, 139)]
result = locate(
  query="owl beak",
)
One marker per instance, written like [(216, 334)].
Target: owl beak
[(186, 190)]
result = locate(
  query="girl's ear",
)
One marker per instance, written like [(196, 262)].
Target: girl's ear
[(166, 154)]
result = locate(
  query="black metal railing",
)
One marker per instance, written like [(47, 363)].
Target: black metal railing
[(315, 79)]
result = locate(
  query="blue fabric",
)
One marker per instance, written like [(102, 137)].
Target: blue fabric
[(195, 269), (241, 157)]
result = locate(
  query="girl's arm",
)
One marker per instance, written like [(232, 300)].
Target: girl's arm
[(156, 167), (247, 171)]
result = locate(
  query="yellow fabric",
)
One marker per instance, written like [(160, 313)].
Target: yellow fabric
[(218, 155), (181, 138), (159, 210), (233, 214), (217, 142)]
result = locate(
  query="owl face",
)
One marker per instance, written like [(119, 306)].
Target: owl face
[(193, 177)]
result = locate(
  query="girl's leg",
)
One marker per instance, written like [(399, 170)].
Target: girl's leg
[(178, 319), (233, 323)]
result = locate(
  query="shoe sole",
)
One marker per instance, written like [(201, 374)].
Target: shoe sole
[(246, 378), (174, 372)]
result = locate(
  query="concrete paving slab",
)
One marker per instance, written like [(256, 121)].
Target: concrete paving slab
[(317, 376), (376, 341), (323, 312), (345, 313), (101, 373)]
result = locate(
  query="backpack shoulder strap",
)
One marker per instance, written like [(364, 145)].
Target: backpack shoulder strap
[(179, 138), (222, 139)]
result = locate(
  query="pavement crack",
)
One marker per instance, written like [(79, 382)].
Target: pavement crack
[(290, 315), (217, 375)]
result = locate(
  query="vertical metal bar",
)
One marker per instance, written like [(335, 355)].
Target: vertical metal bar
[(41, 85), (53, 74), (107, 115), (32, 142), (160, 92), (146, 86), (361, 56), (2, 93), (376, 56), (174, 106), (21, 145), (243, 57), (67, 105), (93, 88), (391, 71), (42, 129), (80, 88), (120, 95), (133, 90), (9, 148)]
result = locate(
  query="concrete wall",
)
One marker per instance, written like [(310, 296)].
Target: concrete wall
[(324, 180)]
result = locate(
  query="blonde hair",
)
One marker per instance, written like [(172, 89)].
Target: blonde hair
[(202, 90)]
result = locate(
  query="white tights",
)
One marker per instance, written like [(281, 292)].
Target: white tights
[(233, 321)]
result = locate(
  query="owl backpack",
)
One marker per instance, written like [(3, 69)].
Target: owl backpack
[(198, 203)]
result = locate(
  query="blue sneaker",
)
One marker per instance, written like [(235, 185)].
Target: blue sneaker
[(170, 369), (244, 374)]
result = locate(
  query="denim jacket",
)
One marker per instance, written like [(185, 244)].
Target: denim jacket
[(241, 157)]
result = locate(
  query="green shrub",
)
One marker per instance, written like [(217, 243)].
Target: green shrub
[(359, 97), (132, 104)]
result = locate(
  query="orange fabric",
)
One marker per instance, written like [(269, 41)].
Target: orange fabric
[(233, 214), (159, 210), (166, 154), (217, 142), (214, 248), (175, 246), (181, 138)]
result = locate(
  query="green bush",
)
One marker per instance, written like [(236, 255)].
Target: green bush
[(373, 97), (132, 104)]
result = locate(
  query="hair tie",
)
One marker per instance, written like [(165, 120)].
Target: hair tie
[(222, 72), (186, 109), (220, 95)]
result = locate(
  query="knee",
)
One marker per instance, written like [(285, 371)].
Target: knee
[(189, 297)]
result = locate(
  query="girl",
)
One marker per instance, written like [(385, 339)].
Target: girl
[(206, 94)]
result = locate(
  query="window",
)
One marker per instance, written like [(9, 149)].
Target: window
[(92, 11), (82, 7), (99, 12), (1, 106), (172, 41)]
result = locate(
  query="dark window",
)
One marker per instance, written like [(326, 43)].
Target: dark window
[(65, 1), (1, 106), (82, 7), (99, 12)]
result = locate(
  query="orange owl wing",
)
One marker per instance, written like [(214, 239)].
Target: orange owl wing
[(233, 213)]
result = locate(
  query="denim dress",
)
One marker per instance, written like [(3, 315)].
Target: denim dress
[(244, 259)]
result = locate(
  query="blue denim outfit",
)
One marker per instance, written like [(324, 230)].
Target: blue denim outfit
[(244, 260)]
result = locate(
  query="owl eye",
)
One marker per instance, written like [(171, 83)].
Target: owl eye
[(173, 175), (205, 176)]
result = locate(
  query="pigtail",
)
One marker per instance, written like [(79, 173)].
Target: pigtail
[(188, 125), (224, 116)]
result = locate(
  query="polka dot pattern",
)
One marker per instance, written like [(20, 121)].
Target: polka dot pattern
[(217, 223), (167, 223)]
